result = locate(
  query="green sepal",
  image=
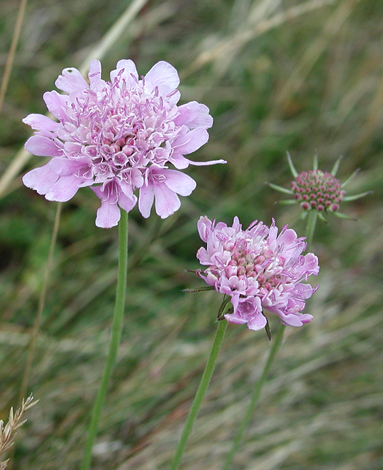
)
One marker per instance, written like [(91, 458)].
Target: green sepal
[(350, 178), (291, 165), (288, 202), (198, 289), (322, 217), (344, 216), (267, 329), (222, 309), (280, 188), (315, 162), (357, 196), (336, 166)]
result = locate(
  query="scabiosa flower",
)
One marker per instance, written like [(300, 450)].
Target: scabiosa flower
[(318, 190), (258, 269), (118, 136)]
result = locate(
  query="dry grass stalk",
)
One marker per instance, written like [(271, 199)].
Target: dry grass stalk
[(8, 433)]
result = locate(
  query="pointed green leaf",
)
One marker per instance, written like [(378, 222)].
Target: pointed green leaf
[(315, 162), (356, 196), (344, 216), (267, 329), (336, 166), (291, 165), (288, 202), (350, 178), (198, 289), (322, 217), (280, 188)]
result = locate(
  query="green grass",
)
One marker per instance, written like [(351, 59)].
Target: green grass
[(310, 84)]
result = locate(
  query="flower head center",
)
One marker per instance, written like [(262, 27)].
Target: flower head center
[(318, 190), (255, 263), (118, 129)]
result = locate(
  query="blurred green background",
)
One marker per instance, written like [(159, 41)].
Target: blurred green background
[(278, 75)]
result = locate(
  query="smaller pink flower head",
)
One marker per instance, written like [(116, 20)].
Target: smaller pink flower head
[(259, 269), (118, 136)]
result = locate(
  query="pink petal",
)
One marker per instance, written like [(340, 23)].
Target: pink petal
[(164, 76), (211, 162), (293, 319), (40, 122), (56, 104), (71, 80), (40, 179), (231, 318), (126, 199), (166, 201), (179, 161), (191, 141), (96, 82), (194, 115), (204, 227), (42, 146), (145, 201), (173, 98), (311, 264), (179, 182), (129, 69), (257, 322), (66, 167), (108, 215), (64, 189), (288, 237)]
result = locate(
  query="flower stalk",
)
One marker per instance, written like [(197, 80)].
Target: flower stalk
[(275, 345), (114, 341), (203, 386)]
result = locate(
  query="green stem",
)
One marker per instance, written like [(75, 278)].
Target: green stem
[(254, 399), (310, 228), (203, 386), (114, 341)]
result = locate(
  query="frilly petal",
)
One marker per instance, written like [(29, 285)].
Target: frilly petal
[(166, 201), (40, 179), (194, 115), (108, 215), (56, 104), (40, 122), (42, 146), (71, 81), (179, 182), (145, 200), (126, 69), (64, 189), (164, 76)]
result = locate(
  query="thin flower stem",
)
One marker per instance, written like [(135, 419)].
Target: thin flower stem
[(256, 394), (114, 341), (203, 386), (310, 228)]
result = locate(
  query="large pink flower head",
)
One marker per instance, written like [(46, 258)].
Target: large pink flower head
[(118, 136), (258, 269)]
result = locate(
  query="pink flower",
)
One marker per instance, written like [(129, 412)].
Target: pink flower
[(118, 136), (258, 269)]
